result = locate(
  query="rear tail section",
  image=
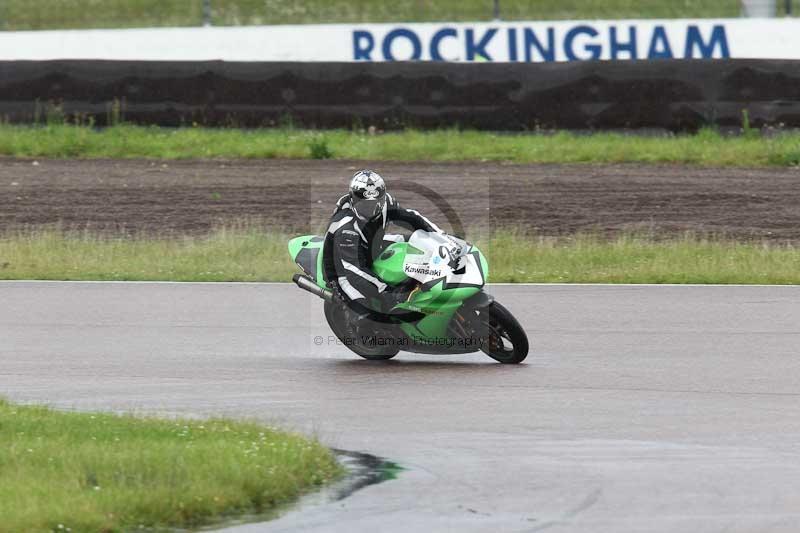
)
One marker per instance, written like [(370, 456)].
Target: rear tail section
[(306, 252)]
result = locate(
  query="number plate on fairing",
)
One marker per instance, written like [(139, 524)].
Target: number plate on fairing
[(441, 259)]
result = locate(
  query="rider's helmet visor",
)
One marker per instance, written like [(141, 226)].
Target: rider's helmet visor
[(368, 208)]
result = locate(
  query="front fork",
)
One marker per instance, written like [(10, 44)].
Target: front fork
[(465, 322), (460, 325)]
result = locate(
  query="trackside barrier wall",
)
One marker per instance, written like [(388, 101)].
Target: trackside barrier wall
[(495, 41), (670, 94)]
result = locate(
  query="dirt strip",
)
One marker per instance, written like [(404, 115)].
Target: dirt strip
[(193, 196)]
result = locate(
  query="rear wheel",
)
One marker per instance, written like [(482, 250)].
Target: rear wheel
[(340, 320), (505, 340)]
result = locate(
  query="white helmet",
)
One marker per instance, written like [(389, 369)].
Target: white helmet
[(367, 194)]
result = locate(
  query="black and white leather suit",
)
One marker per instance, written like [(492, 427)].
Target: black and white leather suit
[(351, 245)]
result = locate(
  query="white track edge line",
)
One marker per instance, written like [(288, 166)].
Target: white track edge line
[(112, 282)]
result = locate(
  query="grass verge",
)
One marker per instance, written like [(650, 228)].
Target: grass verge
[(252, 255), (55, 14), (640, 259), (65, 471), (707, 148)]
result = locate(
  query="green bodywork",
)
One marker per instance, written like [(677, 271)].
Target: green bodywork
[(439, 304), (389, 265), (306, 251)]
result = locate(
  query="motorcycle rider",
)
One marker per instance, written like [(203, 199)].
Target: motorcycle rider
[(354, 239)]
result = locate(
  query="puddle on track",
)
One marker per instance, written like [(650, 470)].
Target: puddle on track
[(362, 470)]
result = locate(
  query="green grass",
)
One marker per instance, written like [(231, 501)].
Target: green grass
[(639, 259), (50, 14), (226, 255), (705, 148), (66, 471), (252, 255)]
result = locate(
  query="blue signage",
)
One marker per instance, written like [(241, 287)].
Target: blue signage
[(581, 41)]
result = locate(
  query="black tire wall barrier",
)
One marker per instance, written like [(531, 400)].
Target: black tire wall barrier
[(671, 94)]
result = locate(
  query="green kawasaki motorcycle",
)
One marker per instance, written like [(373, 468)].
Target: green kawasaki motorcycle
[(446, 311)]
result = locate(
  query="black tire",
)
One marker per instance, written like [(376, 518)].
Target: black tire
[(507, 341), (338, 320)]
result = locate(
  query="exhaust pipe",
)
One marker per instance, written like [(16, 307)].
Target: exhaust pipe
[(307, 284)]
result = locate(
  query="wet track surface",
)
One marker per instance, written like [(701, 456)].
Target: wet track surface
[(639, 408)]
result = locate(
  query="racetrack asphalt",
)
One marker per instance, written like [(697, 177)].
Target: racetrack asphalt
[(639, 408)]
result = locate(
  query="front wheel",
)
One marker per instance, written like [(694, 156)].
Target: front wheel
[(338, 317), (506, 341)]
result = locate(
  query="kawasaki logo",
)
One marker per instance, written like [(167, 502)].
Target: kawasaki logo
[(425, 270)]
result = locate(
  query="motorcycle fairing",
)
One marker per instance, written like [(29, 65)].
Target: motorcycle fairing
[(438, 299), (389, 264), (473, 275), (441, 259), (439, 303), (306, 252)]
